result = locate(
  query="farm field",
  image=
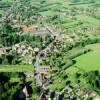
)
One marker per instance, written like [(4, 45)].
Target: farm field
[(16, 68), (87, 62)]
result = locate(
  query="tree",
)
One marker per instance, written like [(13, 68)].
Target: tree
[(1, 60), (10, 58)]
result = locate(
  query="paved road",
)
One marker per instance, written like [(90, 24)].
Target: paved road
[(50, 32), (36, 65)]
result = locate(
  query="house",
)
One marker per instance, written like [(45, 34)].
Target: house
[(36, 49), (22, 94), (25, 91), (44, 71), (1, 51)]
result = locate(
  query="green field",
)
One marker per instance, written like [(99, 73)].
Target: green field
[(89, 20), (16, 68), (89, 61)]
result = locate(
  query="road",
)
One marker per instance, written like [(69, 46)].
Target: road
[(36, 65)]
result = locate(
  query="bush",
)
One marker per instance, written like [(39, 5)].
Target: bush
[(10, 58), (65, 76), (68, 82), (0, 60), (78, 75)]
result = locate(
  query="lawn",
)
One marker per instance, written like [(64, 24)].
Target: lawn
[(16, 68)]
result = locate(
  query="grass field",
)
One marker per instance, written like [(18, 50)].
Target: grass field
[(89, 61), (89, 19), (84, 63), (16, 68)]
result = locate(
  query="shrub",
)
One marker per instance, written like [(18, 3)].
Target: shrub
[(78, 75), (0, 60), (65, 76), (68, 82)]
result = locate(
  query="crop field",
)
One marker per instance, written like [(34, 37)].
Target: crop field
[(4, 5), (91, 60), (72, 16)]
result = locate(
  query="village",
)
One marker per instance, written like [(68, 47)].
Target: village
[(49, 50)]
